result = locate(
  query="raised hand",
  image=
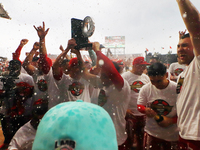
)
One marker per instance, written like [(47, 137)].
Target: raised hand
[(71, 44), (96, 46), (36, 45), (41, 31), (181, 33), (61, 48), (23, 42)]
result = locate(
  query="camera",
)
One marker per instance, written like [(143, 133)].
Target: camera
[(81, 30)]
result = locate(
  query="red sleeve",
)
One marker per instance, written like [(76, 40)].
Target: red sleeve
[(111, 71), (46, 63), (141, 108), (17, 53)]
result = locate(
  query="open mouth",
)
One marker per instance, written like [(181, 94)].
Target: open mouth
[(182, 56)]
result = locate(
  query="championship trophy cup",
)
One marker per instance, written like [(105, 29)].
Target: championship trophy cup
[(81, 30)]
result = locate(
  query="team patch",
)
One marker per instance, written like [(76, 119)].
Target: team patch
[(42, 85), (178, 71), (179, 85), (136, 86), (161, 107), (102, 98), (76, 88)]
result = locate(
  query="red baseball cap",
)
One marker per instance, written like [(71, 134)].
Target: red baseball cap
[(140, 61), (73, 62), (48, 60)]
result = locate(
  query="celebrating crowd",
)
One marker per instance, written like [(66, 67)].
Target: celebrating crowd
[(146, 108)]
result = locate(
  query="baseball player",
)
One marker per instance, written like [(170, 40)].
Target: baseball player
[(188, 50), (157, 100), (136, 120)]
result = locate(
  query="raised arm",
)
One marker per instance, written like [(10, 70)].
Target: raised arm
[(108, 67), (57, 70), (44, 60), (17, 53), (27, 64), (62, 49), (191, 18)]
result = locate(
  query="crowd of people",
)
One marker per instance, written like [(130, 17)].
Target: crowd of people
[(75, 104)]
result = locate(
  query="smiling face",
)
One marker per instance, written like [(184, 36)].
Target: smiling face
[(185, 51)]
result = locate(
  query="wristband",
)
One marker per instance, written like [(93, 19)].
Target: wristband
[(159, 118)]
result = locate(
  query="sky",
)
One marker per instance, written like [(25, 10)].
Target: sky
[(151, 24)]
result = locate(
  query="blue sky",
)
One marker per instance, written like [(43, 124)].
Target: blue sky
[(145, 24)]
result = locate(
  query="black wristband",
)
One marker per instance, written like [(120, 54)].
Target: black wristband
[(158, 118)]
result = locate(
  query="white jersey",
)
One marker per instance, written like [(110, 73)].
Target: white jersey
[(23, 138), (53, 90), (72, 90), (46, 88), (25, 78), (23, 70), (175, 69), (116, 104), (188, 108), (164, 103), (40, 86), (135, 83)]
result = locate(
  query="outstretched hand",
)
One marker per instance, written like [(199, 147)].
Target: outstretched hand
[(41, 31)]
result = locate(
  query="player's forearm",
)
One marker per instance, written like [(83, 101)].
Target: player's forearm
[(42, 49), (60, 58), (189, 14), (17, 53), (164, 121), (57, 71), (29, 58)]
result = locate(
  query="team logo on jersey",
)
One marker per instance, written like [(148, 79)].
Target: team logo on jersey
[(161, 107), (42, 85), (76, 88), (102, 98), (65, 145), (179, 85), (136, 86), (178, 71)]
